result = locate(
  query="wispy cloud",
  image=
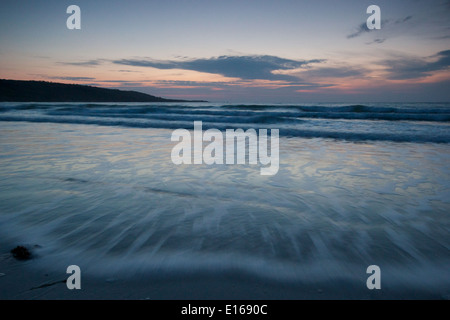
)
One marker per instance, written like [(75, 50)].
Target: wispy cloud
[(239, 83), (412, 68), (386, 24), (332, 72), (94, 62), (362, 28), (378, 40), (73, 78), (126, 71), (403, 20), (242, 67)]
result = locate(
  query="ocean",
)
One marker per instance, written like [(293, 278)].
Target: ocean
[(93, 184)]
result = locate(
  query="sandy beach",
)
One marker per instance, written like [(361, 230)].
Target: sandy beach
[(23, 280)]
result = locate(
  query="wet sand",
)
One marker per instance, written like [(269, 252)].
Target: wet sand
[(21, 280)]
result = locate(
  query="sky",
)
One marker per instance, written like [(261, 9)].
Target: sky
[(277, 51)]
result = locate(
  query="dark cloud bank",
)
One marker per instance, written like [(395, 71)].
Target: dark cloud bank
[(243, 67)]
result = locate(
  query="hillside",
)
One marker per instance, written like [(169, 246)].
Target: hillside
[(42, 91)]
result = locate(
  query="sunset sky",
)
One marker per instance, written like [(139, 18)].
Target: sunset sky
[(235, 51)]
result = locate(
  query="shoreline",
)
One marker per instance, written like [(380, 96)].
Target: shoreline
[(23, 280)]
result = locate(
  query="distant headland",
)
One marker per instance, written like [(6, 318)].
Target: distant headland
[(43, 91)]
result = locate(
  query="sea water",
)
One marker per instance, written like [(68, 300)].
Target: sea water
[(358, 185)]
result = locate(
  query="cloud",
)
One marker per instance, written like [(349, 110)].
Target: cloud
[(385, 24), (402, 20), (238, 83), (412, 68), (73, 78), (94, 62), (126, 70), (333, 72), (362, 28), (379, 40), (243, 67)]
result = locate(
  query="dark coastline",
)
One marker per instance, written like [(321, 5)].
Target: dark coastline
[(42, 91)]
